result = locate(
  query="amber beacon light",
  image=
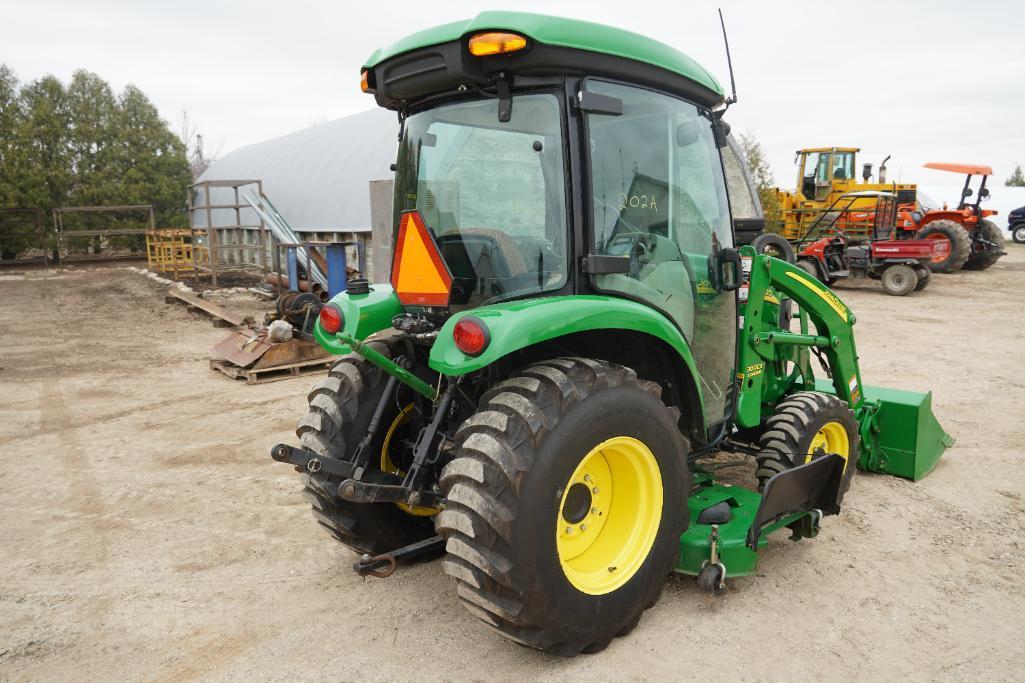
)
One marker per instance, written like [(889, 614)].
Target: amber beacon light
[(496, 43)]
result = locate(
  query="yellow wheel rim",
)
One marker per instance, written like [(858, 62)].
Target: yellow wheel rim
[(831, 438), (609, 515), (388, 466)]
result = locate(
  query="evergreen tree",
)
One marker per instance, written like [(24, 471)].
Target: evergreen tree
[(81, 145), (150, 162), (1017, 178), (9, 116), (92, 132), (42, 164)]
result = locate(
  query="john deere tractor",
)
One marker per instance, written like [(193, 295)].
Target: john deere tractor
[(570, 344)]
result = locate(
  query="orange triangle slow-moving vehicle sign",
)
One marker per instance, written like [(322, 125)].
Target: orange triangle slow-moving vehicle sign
[(419, 275)]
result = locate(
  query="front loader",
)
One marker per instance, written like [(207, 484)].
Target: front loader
[(569, 338)]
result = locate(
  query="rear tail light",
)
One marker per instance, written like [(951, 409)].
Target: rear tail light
[(331, 319), (471, 335)]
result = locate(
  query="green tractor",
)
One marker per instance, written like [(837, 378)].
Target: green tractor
[(570, 341)]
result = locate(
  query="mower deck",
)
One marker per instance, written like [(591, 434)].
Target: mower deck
[(730, 524)]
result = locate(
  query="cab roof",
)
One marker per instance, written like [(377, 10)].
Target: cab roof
[(970, 169), (812, 150), (559, 32)]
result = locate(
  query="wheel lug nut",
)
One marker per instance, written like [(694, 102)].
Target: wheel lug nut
[(583, 527), (569, 530), (587, 477), (595, 490), (595, 511)]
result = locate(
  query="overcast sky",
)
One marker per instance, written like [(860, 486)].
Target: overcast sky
[(923, 81)]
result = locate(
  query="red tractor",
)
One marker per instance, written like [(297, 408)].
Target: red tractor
[(972, 242), (901, 266)]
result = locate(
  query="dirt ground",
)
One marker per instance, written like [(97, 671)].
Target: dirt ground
[(147, 534)]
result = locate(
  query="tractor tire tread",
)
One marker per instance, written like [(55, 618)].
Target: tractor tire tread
[(781, 443), (983, 260), (960, 244), (484, 489), (340, 405), (899, 280)]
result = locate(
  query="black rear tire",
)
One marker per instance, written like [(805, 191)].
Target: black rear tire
[(899, 279), (1018, 233), (341, 406), (774, 245), (986, 256), (960, 244), (504, 487)]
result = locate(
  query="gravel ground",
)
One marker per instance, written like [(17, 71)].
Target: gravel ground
[(147, 534)]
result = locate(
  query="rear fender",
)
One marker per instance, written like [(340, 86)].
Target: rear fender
[(958, 216), (517, 325)]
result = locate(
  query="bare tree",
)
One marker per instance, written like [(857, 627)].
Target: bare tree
[(199, 159)]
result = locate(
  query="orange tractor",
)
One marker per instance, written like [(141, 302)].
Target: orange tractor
[(825, 174), (975, 243)]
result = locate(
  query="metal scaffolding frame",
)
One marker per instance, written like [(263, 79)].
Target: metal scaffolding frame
[(58, 227), (212, 242)]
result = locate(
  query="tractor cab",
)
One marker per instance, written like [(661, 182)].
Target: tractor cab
[(818, 168), (533, 180)]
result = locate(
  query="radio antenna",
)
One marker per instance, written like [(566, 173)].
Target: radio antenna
[(733, 85)]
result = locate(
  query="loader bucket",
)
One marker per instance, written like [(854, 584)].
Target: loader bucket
[(899, 433)]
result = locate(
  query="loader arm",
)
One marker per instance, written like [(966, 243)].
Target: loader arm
[(899, 433), (764, 346)]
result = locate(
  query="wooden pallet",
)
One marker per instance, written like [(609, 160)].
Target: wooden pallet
[(272, 374), (219, 313)]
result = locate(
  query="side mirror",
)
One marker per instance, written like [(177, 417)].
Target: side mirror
[(730, 269), (967, 192), (983, 193)]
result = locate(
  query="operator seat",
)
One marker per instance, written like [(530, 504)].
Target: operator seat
[(501, 241)]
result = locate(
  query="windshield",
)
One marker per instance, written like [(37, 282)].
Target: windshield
[(491, 193)]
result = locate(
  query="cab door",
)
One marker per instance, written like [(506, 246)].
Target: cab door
[(659, 197)]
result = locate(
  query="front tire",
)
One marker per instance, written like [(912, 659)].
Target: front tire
[(554, 458), (804, 426), (899, 280), (1018, 233)]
